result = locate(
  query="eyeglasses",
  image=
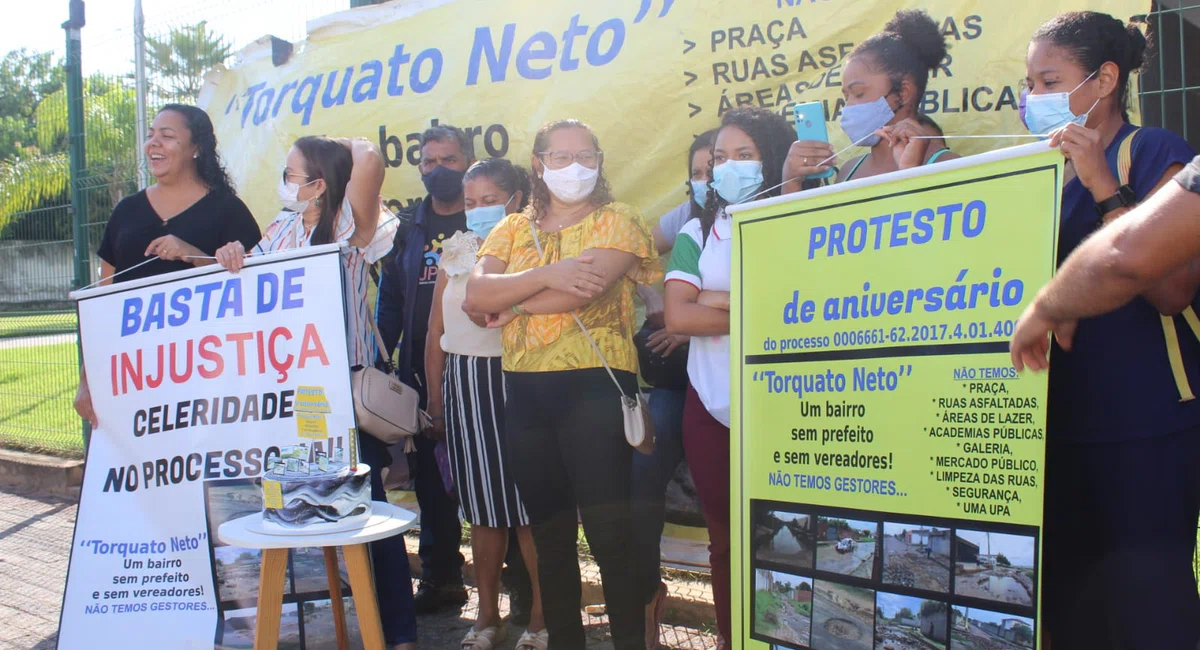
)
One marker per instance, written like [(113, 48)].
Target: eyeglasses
[(560, 159), (286, 174)]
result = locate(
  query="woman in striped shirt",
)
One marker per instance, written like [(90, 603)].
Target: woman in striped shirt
[(330, 194)]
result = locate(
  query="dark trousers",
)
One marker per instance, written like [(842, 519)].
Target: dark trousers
[(567, 449), (651, 474), (706, 443), (441, 530), (1120, 534), (389, 558)]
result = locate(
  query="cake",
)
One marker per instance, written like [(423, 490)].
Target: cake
[(311, 494)]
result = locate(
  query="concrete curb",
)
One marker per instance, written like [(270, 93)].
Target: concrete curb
[(60, 477)]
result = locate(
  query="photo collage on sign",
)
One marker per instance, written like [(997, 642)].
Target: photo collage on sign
[(307, 620), (835, 579)]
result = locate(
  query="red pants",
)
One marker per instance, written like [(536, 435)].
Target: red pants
[(706, 445)]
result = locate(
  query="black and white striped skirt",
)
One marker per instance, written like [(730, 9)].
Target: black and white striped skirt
[(473, 394)]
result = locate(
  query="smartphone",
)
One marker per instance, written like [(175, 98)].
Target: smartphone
[(810, 125)]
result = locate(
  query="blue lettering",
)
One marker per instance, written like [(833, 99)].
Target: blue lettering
[(180, 306), (231, 298), (923, 224), (948, 211), (398, 58), (250, 93), (548, 50), (305, 106), (131, 320), (837, 235), (283, 92), (878, 223), (497, 62), (816, 239), (900, 229), (206, 290), (594, 56), (434, 57), (262, 106), (573, 29), (292, 287), (268, 292), (367, 88), (156, 312), (328, 100), (974, 227), (857, 239)]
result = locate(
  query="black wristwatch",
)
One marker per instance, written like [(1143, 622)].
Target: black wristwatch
[(1124, 198)]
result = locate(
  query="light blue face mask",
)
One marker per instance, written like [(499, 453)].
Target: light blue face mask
[(700, 193), (737, 180), (860, 121), (481, 220), (1049, 112)]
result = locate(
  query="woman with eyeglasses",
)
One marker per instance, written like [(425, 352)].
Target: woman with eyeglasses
[(329, 189), (572, 251)]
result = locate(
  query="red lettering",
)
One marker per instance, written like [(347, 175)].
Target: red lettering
[(177, 377), (311, 346), (240, 338), (113, 367), (155, 382), (262, 356), (130, 372), (218, 366)]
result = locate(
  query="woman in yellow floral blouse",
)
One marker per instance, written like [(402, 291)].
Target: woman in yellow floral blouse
[(566, 443)]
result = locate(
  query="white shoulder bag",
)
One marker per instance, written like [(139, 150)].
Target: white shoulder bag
[(386, 407), (639, 427)]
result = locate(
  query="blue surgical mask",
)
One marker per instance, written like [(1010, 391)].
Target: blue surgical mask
[(481, 220), (860, 121), (737, 180), (700, 193), (1049, 112)]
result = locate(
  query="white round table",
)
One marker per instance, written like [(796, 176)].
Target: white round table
[(386, 521)]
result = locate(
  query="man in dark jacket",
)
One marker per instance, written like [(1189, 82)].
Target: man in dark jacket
[(405, 299)]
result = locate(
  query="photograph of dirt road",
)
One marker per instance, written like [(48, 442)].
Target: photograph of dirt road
[(843, 617), (785, 538), (977, 629), (916, 556), (994, 566), (229, 500), (319, 632), (909, 623), (239, 629), (782, 607), (237, 575), (847, 546)]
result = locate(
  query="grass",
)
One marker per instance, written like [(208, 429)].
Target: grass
[(28, 324), (37, 387), (765, 601)]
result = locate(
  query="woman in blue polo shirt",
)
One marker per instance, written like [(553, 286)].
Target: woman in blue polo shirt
[(1123, 435)]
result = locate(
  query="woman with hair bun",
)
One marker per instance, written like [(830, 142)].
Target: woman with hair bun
[(1123, 436), (883, 83)]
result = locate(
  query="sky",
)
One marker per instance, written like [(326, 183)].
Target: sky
[(891, 604), (893, 529), (789, 579), (1018, 550), (108, 36), (989, 617)]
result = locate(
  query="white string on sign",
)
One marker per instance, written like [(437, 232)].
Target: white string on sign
[(119, 273)]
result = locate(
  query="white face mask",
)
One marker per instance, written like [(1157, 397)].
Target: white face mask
[(289, 196), (572, 183)]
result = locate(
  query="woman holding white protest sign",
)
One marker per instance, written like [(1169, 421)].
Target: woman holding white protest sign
[(466, 397), (748, 154), (883, 82), (178, 222), (330, 193), (1123, 430)]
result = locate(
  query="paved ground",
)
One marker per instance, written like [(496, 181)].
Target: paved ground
[(842, 618), (906, 565), (35, 540), (858, 562)]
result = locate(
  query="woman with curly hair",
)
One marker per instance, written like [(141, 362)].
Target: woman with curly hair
[(748, 155), (573, 254), (178, 222)]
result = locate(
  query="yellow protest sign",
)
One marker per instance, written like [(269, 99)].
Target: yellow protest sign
[(886, 455), (311, 399), (272, 494), (311, 425), (646, 74)]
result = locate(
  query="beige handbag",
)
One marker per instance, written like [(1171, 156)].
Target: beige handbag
[(639, 427), (386, 407)]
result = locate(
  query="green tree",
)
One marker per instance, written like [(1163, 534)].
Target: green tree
[(1002, 561), (34, 181), (26, 78), (904, 613), (1023, 634), (180, 61)]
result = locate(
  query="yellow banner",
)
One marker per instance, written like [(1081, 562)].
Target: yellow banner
[(648, 75), (887, 464)]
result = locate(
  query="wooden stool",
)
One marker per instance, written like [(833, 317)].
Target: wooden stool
[(386, 520)]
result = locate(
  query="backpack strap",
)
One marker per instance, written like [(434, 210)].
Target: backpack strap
[(1170, 333)]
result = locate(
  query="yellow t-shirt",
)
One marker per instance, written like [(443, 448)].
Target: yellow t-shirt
[(548, 342)]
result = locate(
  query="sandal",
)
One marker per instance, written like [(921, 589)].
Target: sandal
[(486, 639), (533, 640)]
